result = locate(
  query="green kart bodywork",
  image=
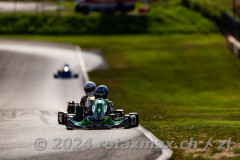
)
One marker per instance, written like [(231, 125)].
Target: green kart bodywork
[(87, 122)]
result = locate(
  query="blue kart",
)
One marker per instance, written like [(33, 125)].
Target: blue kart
[(65, 73)]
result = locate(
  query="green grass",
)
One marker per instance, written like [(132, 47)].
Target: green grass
[(237, 150), (181, 85), (175, 18), (211, 8)]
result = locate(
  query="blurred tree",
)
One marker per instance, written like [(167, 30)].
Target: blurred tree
[(234, 7), (186, 3)]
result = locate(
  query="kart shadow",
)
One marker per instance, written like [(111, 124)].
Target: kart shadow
[(97, 129)]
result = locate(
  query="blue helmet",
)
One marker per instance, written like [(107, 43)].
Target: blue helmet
[(89, 87), (101, 92)]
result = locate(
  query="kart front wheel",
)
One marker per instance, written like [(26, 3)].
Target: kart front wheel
[(119, 112), (75, 76), (60, 117), (69, 116), (129, 121), (64, 117), (65, 114)]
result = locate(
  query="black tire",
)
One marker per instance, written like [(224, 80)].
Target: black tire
[(65, 117), (137, 119), (69, 116), (112, 115), (73, 115), (79, 113), (119, 112), (85, 10), (71, 108), (60, 117), (129, 122), (55, 76)]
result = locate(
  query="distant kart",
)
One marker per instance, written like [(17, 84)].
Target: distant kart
[(65, 73), (104, 120)]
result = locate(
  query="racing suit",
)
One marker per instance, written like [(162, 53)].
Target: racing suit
[(83, 104), (83, 100), (87, 109)]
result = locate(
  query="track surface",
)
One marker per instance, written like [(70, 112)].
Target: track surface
[(31, 97), (25, 6)]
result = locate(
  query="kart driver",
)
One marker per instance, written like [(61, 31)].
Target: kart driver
[(89, 89), (102, 92)]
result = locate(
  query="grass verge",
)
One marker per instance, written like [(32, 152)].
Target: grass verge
[(181, 85)]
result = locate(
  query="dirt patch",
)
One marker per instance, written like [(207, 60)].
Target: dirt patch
[(214, 152)]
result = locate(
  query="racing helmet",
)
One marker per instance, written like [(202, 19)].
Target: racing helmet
[(99, 109), (66, 68), (89, 88), (101, 92)]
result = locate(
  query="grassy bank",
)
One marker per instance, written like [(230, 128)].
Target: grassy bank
[(210, 8), (181, 85)]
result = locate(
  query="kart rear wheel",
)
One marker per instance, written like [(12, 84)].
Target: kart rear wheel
[(79, 113), (71, 108), (136, 119)]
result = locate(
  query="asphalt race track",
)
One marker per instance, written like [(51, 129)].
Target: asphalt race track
[(25, 6), (29, 101)]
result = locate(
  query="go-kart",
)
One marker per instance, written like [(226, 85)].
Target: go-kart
[(65, 73), (79, 112), (101, 119)]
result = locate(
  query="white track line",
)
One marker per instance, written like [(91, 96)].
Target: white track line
[(166, 153)]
